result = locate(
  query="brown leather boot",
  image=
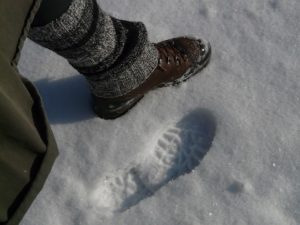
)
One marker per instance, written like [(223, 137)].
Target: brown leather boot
[(179, 59)]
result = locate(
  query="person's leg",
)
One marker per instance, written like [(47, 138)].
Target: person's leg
[(94, 43), (27, 145), (115, 56)]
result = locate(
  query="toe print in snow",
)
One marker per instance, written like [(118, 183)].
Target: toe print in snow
[(176, 150)]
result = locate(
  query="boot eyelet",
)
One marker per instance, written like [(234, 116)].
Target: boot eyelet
[(160, 61), (177, 61), (185, 56), (169, 61)]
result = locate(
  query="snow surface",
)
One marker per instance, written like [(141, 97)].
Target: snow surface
[(250, 174)]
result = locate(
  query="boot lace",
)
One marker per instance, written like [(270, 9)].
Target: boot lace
[(170, 53)]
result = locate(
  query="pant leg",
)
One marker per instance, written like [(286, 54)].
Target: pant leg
[(27, 145)]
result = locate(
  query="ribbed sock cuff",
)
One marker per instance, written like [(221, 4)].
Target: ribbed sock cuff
[(136, 63)]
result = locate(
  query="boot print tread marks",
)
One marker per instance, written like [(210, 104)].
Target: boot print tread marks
[(176, 151)]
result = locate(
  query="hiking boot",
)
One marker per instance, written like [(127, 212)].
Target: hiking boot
[(179, 59)]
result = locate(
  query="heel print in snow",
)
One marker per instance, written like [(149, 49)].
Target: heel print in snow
[(175, 151), (116, 190)]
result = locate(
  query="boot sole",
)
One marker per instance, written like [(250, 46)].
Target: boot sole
[(118, 109)]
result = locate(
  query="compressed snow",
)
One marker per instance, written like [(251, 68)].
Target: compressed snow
[(250, 175)]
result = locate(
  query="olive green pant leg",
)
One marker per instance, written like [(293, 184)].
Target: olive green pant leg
[(27, 145)]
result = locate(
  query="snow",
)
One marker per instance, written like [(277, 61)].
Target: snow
[(249, 175)]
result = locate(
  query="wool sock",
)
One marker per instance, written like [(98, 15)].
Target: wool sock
[(114, 55)]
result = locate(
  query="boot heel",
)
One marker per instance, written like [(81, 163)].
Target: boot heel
[(113, 108)]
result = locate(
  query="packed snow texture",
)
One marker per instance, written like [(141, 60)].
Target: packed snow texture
[(159, 164)]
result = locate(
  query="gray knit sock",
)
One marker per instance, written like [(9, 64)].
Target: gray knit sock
[(114, 55)]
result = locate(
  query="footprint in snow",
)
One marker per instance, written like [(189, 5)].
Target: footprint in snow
[(176, 150)]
